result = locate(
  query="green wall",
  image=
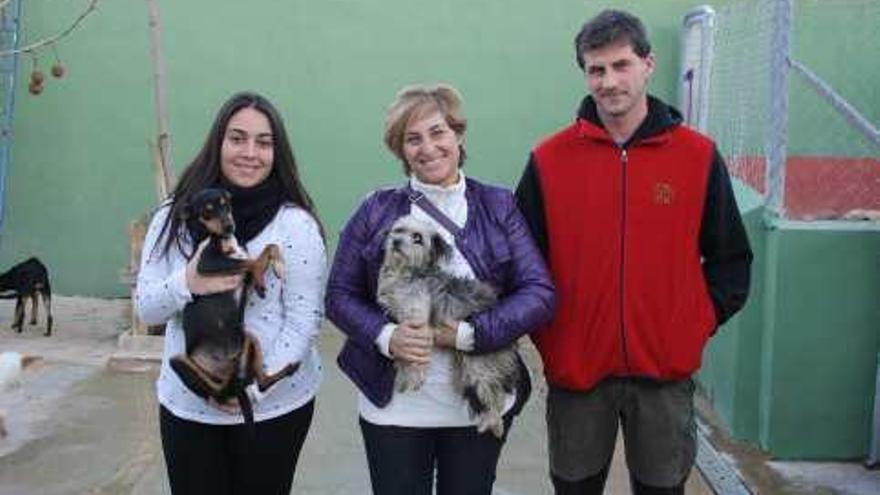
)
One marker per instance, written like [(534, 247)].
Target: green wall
[(823, 33), (794, 372), (819, 388), (81, 168), (730, 374)]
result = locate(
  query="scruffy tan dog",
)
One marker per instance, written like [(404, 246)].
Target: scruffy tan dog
[(413, 286)]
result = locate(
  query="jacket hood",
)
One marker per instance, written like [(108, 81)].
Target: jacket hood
[(660, 118)]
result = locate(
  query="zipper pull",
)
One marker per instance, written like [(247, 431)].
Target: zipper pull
[(623, 156)]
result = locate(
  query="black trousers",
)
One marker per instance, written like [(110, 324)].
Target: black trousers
[(403, 460), (220, 459)]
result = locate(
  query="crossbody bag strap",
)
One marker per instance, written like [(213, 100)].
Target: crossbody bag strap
[(422, 201)]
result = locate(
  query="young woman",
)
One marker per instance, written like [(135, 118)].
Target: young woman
[(412, 436), (207, 448)]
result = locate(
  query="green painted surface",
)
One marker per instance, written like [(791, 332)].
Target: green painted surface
[(824, 34), (793, 372), (80, 164), (732, 361), (825, 344), (81, 169)]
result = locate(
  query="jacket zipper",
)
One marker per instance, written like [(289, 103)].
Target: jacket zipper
[(624, 160)]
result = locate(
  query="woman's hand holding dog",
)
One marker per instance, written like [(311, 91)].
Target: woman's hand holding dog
[(199, 284), (412, 343), (446, 334)]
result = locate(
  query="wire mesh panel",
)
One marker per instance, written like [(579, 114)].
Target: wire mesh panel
[(832, 103), (739, 88), (833, 168)]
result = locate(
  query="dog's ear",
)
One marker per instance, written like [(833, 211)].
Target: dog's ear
[(440, 250), (184, 214), (190, 208), (189, 217)]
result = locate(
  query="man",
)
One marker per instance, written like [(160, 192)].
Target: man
[(636, 216)]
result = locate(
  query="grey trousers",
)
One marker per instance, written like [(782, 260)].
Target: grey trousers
[(657, 418)]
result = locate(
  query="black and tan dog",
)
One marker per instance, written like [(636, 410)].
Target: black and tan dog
[(28, 281), (222, 358)]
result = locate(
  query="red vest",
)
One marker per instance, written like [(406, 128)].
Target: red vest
[(623, 228)]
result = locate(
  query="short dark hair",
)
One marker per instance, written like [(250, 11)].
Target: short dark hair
[(611, 26)]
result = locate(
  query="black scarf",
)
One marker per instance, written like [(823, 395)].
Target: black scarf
[(254, 207)]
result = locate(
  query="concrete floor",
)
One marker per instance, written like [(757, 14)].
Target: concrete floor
[(78, 427)]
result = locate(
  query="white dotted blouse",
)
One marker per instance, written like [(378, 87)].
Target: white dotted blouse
[(286, 322)]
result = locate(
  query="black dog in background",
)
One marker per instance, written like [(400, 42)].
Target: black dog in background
[(25, 281), (222, 358)]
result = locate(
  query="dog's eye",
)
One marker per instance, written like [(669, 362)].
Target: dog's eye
[(417, 238)]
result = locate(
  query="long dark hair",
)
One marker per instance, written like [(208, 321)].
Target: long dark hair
[(204, 170)]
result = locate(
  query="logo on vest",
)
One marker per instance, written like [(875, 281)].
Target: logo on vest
[(664, 194)]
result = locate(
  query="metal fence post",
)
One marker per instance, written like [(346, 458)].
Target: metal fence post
[(777, 136), (9, 39)]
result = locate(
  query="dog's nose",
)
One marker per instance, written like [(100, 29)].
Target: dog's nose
[(395, 244), (228, 228)]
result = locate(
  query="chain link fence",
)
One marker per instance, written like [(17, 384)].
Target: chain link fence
[(795, 83)]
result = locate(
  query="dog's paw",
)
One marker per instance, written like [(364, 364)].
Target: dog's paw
[(410, 377), (491, 422), (498, 429), (231, 248), (290, 369), (279, 267), (406, 385)]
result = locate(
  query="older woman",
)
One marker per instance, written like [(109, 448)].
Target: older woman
[(410, 435)]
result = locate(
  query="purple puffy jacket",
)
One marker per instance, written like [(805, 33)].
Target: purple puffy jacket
[(495, 241)]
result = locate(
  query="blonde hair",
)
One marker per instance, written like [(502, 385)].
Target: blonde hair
[(416, 101)]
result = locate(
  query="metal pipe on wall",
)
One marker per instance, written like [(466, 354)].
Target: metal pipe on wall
[(163, 141)]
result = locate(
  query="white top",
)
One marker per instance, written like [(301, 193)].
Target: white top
[(436, 403), (285, 322)]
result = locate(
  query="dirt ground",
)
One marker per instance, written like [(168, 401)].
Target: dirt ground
[(76, 426), (79, 427)]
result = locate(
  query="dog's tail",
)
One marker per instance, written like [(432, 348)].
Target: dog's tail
[(247, 409)]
